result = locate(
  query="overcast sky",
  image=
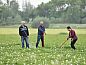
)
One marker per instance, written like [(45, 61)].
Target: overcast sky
[(36, 2), (33, 2)]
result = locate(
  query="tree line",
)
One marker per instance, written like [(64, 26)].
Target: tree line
[(55, 11)]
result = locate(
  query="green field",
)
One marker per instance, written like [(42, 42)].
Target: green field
[(11, 52)]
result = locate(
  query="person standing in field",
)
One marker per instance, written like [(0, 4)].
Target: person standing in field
[(24, 33), (73, 37), (41, 32)]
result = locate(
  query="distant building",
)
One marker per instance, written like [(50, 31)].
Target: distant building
[(63, 7)]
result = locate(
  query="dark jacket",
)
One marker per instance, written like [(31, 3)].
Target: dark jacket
[(41, 30), (72, 35), (23, 31)]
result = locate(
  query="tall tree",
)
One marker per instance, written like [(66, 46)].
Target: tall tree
[(27, 12)]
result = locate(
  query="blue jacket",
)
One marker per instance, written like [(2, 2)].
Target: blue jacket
[(41, 30)]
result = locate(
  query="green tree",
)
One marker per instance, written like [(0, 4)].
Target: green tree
[(37, 20), (27, 12)]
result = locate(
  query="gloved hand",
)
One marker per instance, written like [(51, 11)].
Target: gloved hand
[(68, 38)]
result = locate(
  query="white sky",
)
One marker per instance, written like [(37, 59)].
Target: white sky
[(33, 2)]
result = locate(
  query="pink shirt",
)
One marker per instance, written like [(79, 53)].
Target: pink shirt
[(72, 35)]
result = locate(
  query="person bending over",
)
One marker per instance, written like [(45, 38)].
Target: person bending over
[(73, 37)]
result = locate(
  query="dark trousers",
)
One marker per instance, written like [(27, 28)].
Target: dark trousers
[(73, 43), (38, 40)]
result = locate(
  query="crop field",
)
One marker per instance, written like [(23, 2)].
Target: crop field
[(11, 52)]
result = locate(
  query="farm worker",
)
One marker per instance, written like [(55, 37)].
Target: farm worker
[(24, 33), (41, 32), (73, 37)]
